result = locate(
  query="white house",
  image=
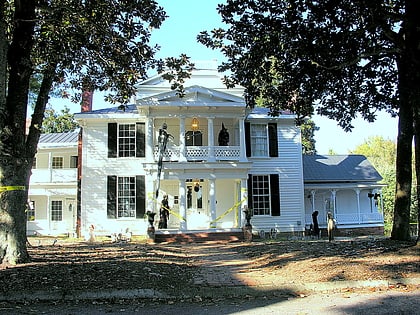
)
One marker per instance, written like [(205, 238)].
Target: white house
[(210, 179), (53, 186), (208, 183)]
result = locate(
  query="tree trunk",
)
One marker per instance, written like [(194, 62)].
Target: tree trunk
[(409, 92), (15, 164)]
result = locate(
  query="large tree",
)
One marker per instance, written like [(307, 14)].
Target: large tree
[(339, 58), (70, 45)]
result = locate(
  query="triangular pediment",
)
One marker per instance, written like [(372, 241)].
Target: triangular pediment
[(194, 95)]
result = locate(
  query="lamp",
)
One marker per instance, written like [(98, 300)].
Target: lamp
[(195, 124)]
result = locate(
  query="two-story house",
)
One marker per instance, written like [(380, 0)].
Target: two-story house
[(209, 181), (53, 186)]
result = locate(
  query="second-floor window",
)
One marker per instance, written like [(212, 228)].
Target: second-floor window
[(74, 161), (126, 140), (259, 145), (57, 162), (261, 140)]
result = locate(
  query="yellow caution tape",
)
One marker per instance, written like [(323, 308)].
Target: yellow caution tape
[(235, 206), (11, 188)]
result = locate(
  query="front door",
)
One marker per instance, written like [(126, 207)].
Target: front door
[(197, 205)]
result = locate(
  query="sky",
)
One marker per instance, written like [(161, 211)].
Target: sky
[(178, 34)]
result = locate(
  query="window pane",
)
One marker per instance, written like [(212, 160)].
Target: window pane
[(126, 197), (57, 162), (30, 212), (259, 143), (56, 210), (127, 140), (261, 194)]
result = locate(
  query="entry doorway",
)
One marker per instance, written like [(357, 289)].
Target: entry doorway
[(197, 204)]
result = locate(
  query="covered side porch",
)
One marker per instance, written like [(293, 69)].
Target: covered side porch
[(353, 206)]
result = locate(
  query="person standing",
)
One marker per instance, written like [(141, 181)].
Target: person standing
[(164, 213)]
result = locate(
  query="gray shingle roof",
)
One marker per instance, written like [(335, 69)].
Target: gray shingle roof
[(63, 137), (338, 168), (130, 108)]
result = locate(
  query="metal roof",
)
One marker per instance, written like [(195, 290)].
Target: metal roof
[(63, 137), (338, 168)]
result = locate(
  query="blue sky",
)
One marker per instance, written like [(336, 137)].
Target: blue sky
[(178, 35)]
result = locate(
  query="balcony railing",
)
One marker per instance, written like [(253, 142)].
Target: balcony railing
[(64, 175), (201, 153)]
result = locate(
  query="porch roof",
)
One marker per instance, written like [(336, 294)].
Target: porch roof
[(339, 169)]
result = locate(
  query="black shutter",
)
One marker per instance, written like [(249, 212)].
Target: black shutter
[(112, 140), (250, 204), (140, 196), (248, 139), (140, 140), (272, 140), (111, 209), (275, 194)]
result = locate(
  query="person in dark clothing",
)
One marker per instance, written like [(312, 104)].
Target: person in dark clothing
[(164, 213), (315, 223)]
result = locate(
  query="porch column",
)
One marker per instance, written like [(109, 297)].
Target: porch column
[(149, 141), (313, 200), (150, 185), (210, 139), (242, 144), (333, 196), (212, 198), (358, 204), (182, 205), (182, 139), (244, 197)]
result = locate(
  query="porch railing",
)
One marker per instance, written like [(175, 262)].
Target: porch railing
[(201, 153), (350, 218)]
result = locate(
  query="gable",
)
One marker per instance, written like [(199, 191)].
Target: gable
[(338, 168), (194, 95)]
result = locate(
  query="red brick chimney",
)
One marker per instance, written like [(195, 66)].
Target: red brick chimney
[(87, 97)]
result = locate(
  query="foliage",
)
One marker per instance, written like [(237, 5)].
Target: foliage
[(62, 121), (308, 129), (63, 45), (338, 58)]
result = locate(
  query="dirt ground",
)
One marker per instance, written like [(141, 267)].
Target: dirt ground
[(57, 265)]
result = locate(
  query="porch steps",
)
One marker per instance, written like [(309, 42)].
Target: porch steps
[(198, 237)]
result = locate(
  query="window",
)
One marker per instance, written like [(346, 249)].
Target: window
[(261, 195), (74, 161), (56, 210), (126, 140), (57, 162), (30, 212), (126, 197), (259, 140), (264, 194), (34, 163), (193, 138)]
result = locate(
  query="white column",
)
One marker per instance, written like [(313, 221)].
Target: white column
[(50, 167), (210, 139), (212, 197), (358, 204), (244, 197), (182, 205), (333, 196), (150, 193), (182, 139), (242, 143), (149, 140), (313, 200)]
